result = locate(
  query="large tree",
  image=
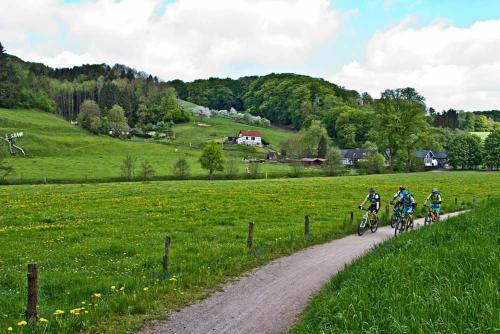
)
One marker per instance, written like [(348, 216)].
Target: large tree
[(400, 126), (492, 149), (117, 120), (212, 159), (90, 116), (464, 150)]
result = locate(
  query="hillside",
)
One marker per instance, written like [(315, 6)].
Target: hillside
[(58, 150), (89, 238), (440, 279)]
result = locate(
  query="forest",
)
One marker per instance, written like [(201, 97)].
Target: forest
[(398, 123)]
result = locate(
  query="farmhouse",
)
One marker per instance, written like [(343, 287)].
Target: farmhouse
[(249, 137), (352, 155), (432, 159), (312, 161)]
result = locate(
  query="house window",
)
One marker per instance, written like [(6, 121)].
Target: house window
[(253, 138)]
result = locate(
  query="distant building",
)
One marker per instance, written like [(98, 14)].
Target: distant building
[(433, 159), (351, 156), (312, 161), (272, 156), (249, 137)]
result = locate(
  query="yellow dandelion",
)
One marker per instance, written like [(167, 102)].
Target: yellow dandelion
[(122, 288), (83, 303), (113, 287), (58, 312), (97, 295), (22, 323), (145, 289), (43, 320), (10, 329)]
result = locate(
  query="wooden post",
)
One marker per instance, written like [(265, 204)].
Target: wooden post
[(306, 226), (168, 241), (352, 217), (32, 291), (387, 210), (474, 200), (456, 201), (250, 235)]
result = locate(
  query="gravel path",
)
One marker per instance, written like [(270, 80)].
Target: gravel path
[(269, 298)]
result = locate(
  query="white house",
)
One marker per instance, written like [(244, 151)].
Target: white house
[(249, 137)]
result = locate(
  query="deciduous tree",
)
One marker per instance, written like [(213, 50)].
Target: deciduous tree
[(212, 159)]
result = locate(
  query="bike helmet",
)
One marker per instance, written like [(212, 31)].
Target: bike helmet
[(371, 190), (434, 190), (401, 188), (405, 192)]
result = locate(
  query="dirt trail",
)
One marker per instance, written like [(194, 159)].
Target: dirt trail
[(268, 299)]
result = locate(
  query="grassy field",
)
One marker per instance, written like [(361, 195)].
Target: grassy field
[(99, 246), (441, 279), (60, 151)]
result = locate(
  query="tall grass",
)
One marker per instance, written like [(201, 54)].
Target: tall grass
[(443, 278)]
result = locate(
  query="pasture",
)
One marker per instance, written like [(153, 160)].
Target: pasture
[(441, 279), (99, 246), (61, 152)]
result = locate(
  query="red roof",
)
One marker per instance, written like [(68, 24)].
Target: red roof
[(251, 133)]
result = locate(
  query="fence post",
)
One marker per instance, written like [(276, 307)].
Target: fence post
[(306, 226), (474, 200), (387, 210), (352, 217), (168, 241), (250, 235), (456, 201), (32, 291)]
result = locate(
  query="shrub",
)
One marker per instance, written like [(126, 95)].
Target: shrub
[(181, 169)]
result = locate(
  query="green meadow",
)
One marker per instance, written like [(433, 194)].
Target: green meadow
[(440, 279), (61, 152), (99, 246)]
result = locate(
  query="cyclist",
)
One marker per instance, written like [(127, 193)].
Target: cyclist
[(408, 203), (374, 199), (397, 195), (435, 199)]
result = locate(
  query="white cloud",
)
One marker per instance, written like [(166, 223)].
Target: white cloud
[(452, 67), (191, 39)]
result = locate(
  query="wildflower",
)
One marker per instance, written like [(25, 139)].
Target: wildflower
[(83, 303), (22, 323), (10, 329), (43, 320), (75, 311), (122, 288), (58, 312), (113, 287), (97, 295), (146, 289)]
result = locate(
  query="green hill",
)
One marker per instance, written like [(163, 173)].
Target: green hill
[(58, 150)]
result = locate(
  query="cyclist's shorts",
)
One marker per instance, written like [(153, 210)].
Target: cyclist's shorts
[(407, 209), (373, 208), (436, 207)]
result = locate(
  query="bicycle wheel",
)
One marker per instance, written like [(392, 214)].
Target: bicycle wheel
[(394, 220), (374, 226), (428, 219), (362, 226), (397, 228)]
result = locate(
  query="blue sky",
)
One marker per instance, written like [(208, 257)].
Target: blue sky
[(435, 46)]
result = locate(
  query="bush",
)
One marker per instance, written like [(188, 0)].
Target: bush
[(254, 170), (333, 164), (232, 168), (181, 169), (147, 171), (128, 167), (296, 169)]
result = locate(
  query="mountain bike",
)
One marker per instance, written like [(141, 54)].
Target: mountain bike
[(405, 223), (396, 215), (432, 216), (369, 220)]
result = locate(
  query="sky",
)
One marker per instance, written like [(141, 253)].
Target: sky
[(449, 50)]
